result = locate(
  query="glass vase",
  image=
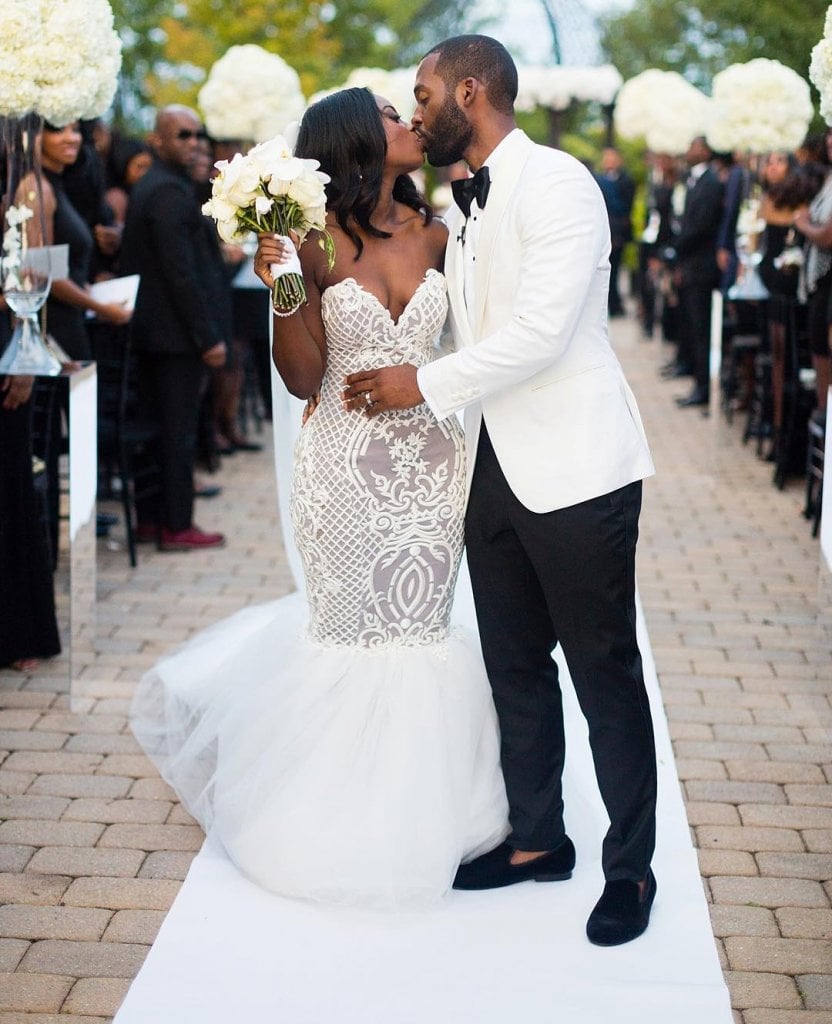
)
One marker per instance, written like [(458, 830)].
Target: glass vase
[(25, 272)]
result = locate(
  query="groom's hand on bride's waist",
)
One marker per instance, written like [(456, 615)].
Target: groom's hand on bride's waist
[(382, 389)]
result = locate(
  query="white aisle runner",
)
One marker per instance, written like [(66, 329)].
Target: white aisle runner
[(229, 952)]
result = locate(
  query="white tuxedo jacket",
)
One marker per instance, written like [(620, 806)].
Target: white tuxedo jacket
[(534, 359)]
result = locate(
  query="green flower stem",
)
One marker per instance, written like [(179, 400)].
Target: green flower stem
[(285, 215)]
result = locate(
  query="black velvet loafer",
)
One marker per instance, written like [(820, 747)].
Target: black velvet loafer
[(494, 870), (621, 914)]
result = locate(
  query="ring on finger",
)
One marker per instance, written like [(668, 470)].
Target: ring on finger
[(368, 398)]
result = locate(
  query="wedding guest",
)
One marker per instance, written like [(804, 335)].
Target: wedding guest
[(222, 435), (618, 190), (777, 209), (129, 161), (733, 177), (174, 332), (656, 237), (84, 182), (68, 298), (696, 271), (815, 285), (28, 628), (812, 150)]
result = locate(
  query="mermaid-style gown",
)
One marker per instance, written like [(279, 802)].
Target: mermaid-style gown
[(346, 749)]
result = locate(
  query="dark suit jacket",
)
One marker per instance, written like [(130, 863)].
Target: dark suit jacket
[(695, 243), (165, 241), (618, 193)]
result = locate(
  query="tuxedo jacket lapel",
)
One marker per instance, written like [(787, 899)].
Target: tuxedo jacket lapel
[(502, 187)]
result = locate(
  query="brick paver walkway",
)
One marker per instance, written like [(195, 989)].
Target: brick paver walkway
[(93, 845)]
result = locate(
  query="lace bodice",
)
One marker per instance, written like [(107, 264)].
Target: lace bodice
[(361, 333), (378, 503)]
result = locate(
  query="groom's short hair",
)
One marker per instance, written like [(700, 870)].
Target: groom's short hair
[(483, 58)]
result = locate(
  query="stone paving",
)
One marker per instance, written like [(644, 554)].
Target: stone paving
[(93, 846)]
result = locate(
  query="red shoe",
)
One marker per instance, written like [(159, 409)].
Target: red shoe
[(189, 539)]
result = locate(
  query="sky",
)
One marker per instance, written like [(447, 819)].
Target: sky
[(525, 30)]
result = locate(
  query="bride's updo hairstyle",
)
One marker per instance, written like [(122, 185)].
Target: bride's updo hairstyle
[(344, 132)]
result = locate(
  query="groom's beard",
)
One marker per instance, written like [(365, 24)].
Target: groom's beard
[(449, 137)]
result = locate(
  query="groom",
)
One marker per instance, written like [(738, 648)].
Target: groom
[(556, 455)]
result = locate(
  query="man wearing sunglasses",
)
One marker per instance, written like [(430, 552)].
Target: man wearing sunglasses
[(174, 333)]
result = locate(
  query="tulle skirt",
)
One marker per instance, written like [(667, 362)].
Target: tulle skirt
[(341, 774)]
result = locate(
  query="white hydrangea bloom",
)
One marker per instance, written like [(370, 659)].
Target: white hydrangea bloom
[(60, 58), (556, 87), (758, 107), (662, 108), (820, 69), (250, 94)]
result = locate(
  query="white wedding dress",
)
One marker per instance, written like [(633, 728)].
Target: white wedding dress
[(345, 749)]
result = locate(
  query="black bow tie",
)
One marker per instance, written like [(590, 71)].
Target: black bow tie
[(465, 190)]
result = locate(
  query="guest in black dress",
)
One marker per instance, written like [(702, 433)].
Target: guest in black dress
[(68, 299), (782, 198), (28, 630)]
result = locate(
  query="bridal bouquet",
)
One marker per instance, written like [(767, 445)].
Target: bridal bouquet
[(271, 191)]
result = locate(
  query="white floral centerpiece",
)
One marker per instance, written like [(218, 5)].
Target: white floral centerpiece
[(396, 86), (250, 94), (269, 190), (820, 69), (556, 87), (58, 58), (758, 107), (663, 108)]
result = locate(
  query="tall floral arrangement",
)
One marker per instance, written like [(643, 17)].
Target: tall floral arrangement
[(58, 58), (820, 69), (250, 94), (662, 108), (557, 87), (395, 86), (759, 106)]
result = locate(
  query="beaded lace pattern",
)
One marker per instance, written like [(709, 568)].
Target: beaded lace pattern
[(378, 504)]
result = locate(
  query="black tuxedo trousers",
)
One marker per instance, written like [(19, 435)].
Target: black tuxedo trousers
[(567, 577)]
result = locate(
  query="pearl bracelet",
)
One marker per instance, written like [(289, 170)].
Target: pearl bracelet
[(290, 312)]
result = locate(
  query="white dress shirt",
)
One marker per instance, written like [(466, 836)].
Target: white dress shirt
[(471, 232)]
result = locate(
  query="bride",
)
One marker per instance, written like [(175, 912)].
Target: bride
[(345, 748)]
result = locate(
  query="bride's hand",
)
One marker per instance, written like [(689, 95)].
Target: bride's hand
[(271, 249), (310, 407)]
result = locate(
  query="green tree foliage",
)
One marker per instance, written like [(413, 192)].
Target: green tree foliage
[(169, 45), (698, 38)]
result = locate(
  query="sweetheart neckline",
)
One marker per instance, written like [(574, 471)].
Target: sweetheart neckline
[(377, 300)]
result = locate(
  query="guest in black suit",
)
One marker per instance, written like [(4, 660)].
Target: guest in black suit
[(733, 178), (618, 190), (175, 333), (697, 272)]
